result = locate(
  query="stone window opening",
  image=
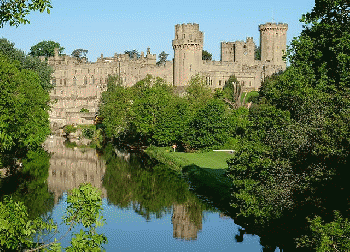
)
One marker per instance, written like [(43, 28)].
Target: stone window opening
[(93, 80), (184, 36), (65, 82), (74, 81), (54, 82), (60, 82), (219, 82), (85, 80)]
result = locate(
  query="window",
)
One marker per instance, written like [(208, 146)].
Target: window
[(60, 82), (93, 80), (65, 82), (190, 36), (85, 80), (53, 81), (184, 35), (219, 82), (74, 81)]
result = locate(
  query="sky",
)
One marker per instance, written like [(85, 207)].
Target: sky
[(108, 27)]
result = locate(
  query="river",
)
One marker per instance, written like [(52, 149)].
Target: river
[(147, 207)]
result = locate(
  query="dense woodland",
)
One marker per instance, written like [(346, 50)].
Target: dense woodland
[(291, 147)]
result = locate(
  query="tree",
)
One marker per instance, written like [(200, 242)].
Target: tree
[(257, 53), (232, 92), (28, 62), (133, 54), (45, 48), (24, 118), (162, 58), (298, 137), (206, 55), (84, 207), (15, 12), (79, 54)]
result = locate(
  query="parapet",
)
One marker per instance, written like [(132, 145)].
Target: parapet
[(189, 27), (269, 26)]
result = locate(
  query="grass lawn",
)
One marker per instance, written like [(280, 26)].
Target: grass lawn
[(211, 160), (208, 160)]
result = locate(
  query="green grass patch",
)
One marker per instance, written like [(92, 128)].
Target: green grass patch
[(249, 96), (209, 160)]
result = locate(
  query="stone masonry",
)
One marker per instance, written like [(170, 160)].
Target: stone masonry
[(79, 84)]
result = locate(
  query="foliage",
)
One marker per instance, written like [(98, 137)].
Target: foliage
[(15, 12), (162, 58), (28, 62), (298, 135), (206, 55), (46, 49), (133, 54), (70, 129), (79, 54), (153, 96), (24, 108), (84, 206), (115, 107), (232, 92), (333, 236), (84, 110), (197, 92), (209, 126), (257, 53)]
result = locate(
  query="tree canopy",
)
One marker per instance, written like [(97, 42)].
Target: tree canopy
[(206, 55), (133, 54), (162, 58), (15, 12), (79, 53), (45, 48)]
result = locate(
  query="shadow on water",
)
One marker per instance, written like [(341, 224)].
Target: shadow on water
[(27, 182)]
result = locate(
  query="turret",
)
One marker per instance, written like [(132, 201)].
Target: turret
[(273, 42), (188, 46)]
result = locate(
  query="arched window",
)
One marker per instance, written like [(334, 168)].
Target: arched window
[(74, 81), (92, 80)]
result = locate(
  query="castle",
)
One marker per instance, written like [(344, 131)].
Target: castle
[(79, 84)]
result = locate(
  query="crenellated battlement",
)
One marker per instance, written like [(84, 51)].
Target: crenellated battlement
[(273, 26)]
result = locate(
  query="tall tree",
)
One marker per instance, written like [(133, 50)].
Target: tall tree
[(206, 55), (162, 58), (45, 48), (133, 54), (79, 54), (15, 12)]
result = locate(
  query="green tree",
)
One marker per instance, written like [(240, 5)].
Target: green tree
[(299, 132), (79, 54), (232, 92), (162, 58), (24, 118), (197, 92), (257, 53), (209, 126), (15, 12), (206, 55), (133, 54), (45, 48), (152, 97), (333, 236), (84, 207), (28, 62), (115, 107)]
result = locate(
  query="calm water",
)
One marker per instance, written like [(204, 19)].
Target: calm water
[(147, 207)]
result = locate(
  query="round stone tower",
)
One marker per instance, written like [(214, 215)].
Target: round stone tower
[(188, 46), (273, 42)]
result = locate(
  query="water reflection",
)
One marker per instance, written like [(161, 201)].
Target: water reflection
[(133, 185), (69, 167)]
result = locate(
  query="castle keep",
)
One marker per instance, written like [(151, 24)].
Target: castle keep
[(79, 84)]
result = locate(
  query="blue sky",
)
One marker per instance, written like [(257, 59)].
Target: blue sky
[(110, 27)]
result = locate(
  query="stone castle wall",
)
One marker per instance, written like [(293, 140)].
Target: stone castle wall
[(79, 84)]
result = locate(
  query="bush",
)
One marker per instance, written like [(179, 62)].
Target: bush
[(69, 129), (84, 110)]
